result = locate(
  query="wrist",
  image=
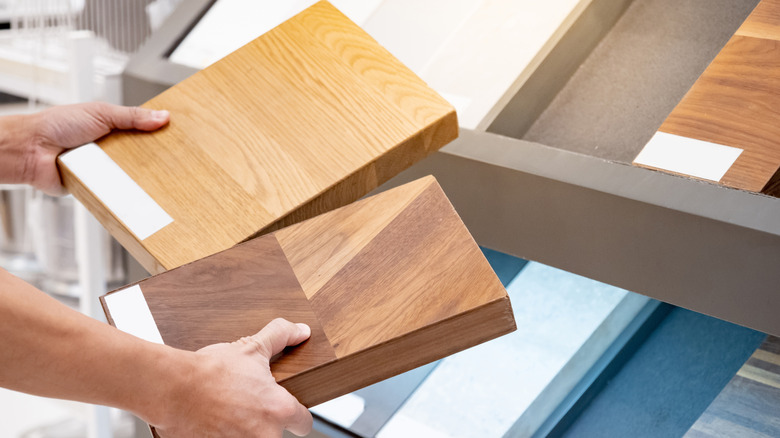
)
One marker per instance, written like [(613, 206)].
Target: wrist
[(18, 148), (171, 387)]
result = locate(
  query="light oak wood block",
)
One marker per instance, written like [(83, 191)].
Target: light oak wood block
[(308, 117), (387, 284), (734, 104)]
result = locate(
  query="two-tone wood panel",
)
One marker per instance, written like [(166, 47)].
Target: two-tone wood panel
[(725, 129), (308, 117), (748, 405), (387, 284)]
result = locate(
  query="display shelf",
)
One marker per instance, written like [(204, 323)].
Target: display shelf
[(724, 128), (700, 246), (569, 198)]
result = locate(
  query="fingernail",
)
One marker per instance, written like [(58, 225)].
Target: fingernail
[(160, 115), (304, 328)]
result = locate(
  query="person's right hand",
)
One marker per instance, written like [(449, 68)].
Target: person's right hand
[(233, 393)]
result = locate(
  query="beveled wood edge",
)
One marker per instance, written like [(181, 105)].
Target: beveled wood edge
[(109, 221), (333, 379), (327, 200), (109, 318), (772, 187), (744, 29), (687, 176)]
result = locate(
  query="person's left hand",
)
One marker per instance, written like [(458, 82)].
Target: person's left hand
[(46, 134)]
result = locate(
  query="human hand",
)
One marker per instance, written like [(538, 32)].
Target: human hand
[(233, 394), (44, 135)]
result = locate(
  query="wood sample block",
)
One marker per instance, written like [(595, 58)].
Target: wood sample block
[(306, 118), (387, 284), (725, 129), (748, 405)]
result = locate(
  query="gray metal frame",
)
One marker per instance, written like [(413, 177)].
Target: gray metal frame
[(694, 244), (149, 71)]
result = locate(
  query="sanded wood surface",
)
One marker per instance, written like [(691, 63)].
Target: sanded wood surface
[(308, 117), (387, 284), (749, 406), (736, 102)]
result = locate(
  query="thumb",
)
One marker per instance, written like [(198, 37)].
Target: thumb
[(130, 117), (277, 335)]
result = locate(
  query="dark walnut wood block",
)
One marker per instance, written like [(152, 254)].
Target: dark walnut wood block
[(749, 406), (735, 103), (387, 284), (306, 118)]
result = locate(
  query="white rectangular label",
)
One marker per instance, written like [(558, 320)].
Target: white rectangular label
[(688, 156), (131, 314), (116, 190)]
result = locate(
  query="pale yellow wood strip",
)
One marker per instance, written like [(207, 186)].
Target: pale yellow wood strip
[(767, 356), (759, 375)]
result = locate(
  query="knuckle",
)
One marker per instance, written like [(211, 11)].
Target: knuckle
[(285, 407), (279, 322), (135, 112), (101, 107)]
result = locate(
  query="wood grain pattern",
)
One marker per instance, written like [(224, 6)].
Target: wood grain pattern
[(391, 282), (736, 102), (307, 118), (747, 406), (256, 285)]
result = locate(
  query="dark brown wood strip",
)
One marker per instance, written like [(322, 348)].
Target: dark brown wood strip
[(233, 294)]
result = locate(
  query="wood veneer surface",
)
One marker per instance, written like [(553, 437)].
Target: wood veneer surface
[(308, 117), (387, 284), (736, 102), (748, 405)]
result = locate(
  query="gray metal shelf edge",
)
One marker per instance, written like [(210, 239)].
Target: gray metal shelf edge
[(694, 244)]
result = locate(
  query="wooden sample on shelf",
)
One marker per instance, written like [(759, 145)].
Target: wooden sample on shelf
[(725, 129), (306, 118), (387, 284), (747, 406)]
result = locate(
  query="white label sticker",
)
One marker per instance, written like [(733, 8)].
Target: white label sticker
[(131, 314), (116, 190), (688, 156)]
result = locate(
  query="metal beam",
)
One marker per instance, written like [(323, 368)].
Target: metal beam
[(697, 245)]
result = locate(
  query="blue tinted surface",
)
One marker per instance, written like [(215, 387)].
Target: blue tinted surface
[(669, 382)]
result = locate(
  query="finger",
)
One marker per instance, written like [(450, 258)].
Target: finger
[(301, 422), (278, 334), (130, 117)]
